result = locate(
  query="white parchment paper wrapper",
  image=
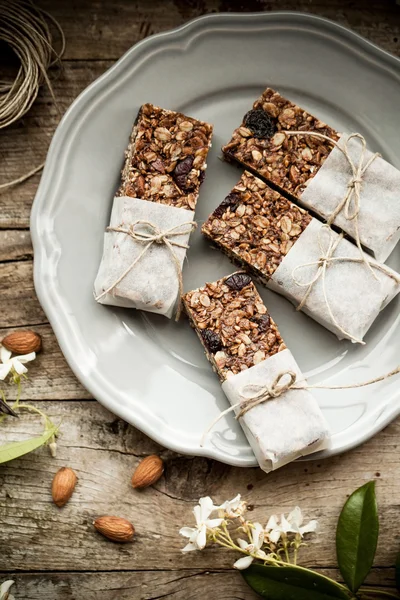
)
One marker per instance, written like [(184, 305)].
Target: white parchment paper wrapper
[(284, 428), (379, 216), (152, 284), (355, 296)]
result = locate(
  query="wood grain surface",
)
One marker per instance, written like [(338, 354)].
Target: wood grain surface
[(55, 554)]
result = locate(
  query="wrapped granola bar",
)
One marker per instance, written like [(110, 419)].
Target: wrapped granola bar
[(332, 174), (243, 344), (299, 257), (153, 213)]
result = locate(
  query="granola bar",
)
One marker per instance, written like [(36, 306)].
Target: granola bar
[(285, 248), (233, 324), (243, 343), (322, 175), (256, 226), (286, 161), (166, 158)]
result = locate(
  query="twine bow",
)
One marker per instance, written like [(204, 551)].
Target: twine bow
[(252, 395), (154, 235), (326, 259), (351, 201)]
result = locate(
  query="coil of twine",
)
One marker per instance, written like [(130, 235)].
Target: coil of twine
[(25, 28)]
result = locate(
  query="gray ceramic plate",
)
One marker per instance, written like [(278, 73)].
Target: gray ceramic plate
[(146, 369)]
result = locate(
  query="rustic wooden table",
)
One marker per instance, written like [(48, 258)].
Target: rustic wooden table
[(55, 554)]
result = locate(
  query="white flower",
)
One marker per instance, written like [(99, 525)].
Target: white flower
[(53, 449), (15, 364), (233, 508), (198, 535), (4, 587), (295, 519), (253, 548), (292, 524)]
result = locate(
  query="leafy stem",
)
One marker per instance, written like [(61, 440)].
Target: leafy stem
[(376, 592)]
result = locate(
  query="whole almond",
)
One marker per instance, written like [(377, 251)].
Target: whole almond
[(148, 471), (115, 529), (23, 342), (63, 485)]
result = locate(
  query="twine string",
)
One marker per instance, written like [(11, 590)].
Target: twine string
[(24, 27), (252, 395), (154, 235), (352, 196), (326, 259)]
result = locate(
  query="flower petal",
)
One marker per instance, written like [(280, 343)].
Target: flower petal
[(258, 535), (190, 547), (261, 554), (4, 357), (295, 517), (274, 535), (272, 523), (243, 563), (24, 358), (206, 507), (309, 527), (242, 543), (5, 369), (4, 587), (213, 523), (18, 366), (201, 537), (286, 527), (197, 514), (187, 531)]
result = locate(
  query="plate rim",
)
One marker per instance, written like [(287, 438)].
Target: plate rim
[(48, 295)]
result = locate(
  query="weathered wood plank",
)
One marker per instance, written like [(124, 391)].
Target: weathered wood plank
[(148, 585), (15, 245), (106, 30), (18, 301), (49, 376), (104, 452), (25, 144)]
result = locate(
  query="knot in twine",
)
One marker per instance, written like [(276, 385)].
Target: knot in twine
[(351, 201), (154, 235), (326, 259), (252, 395)]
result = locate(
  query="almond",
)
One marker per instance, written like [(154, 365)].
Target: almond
[(22, 342), (63, 485), (115, 529), (148, 471)]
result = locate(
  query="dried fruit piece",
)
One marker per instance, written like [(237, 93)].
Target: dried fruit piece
[(260, 123), (232, 200), (211, 340), (263, 322), (23, 342), (148, 471), (63, 485), (181, 172), (115, 529), (238, 281)]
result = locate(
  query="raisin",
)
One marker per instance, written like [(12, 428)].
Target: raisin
[(202, 177), (211, 340), (232, 200), (263, 322), (238, 281), (158, 165), (260, 123), (181, 171)]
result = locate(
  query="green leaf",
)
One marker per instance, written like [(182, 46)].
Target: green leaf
[(398, 572), (292, 583), (357, 535), (16, 449)]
